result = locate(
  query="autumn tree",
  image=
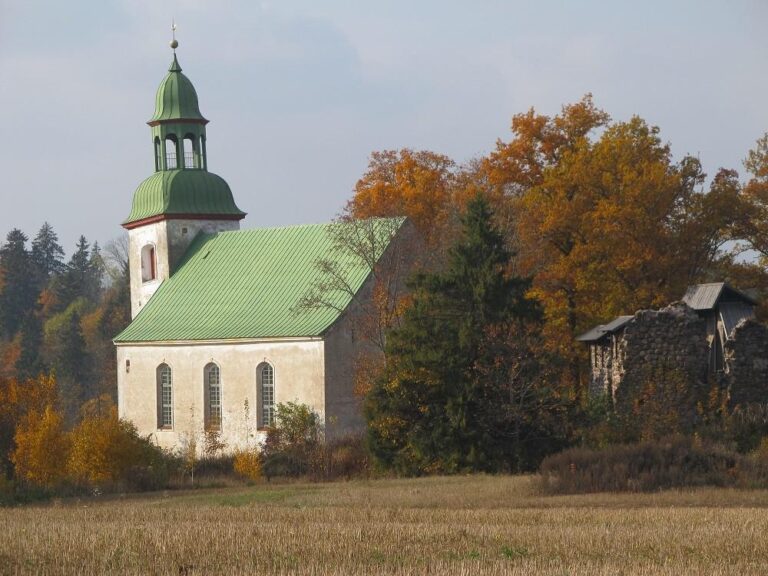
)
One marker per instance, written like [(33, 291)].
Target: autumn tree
[(107, 451), (433, 408), (612, 224), (752, 225), (42, 448), (539, 143), (18, 398), (417, 184)]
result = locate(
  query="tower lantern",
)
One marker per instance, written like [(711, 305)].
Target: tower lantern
[(182, 197)]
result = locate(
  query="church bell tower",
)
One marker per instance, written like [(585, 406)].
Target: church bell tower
[(182, 198)]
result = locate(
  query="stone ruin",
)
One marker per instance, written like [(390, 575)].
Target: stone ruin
[(711, 335)]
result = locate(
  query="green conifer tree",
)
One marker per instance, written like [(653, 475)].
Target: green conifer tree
[(18, 293), (47, 253), (430, 410)]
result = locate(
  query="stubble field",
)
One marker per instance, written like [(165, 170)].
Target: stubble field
[(459, 525)]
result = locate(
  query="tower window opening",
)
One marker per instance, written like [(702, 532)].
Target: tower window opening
[(190, 160), (170, 153), (148, 263)]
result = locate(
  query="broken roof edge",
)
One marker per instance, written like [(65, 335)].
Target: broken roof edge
[(602, 330)]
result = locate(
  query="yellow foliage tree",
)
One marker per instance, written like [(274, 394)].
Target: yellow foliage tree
[(104, 449), (42, 448)]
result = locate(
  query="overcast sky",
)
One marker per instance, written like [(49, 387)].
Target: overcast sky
[(300, 92)]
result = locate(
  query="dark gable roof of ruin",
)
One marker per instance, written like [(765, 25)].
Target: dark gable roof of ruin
[(703, 297), (602, 330)]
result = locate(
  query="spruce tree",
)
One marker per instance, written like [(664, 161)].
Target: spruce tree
[(82, 276), (30, 363), (18, 293), (72, 365), (47, 253), (434, 409)]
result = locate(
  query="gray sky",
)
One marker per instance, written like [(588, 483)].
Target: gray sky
[(299, 92)]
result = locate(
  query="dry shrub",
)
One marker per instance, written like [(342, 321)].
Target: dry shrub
[(672, 462), (42, 446), (247, 464), (346, 457)]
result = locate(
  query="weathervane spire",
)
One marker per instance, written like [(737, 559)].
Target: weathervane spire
[(174, 43)]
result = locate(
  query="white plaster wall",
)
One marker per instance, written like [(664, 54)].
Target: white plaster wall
[(139, 237), (299, 377), (171, 239)]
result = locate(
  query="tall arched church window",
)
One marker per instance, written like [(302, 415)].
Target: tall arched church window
[(148, 263), (265, 376), (212, 391), (170, 152), (164, 397)]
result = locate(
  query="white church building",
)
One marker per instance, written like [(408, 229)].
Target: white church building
[(218, 337)]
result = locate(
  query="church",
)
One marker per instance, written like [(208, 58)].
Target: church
[(218, 336)]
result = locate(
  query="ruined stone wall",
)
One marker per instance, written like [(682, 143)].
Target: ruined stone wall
[(661, 343), (746, 362), (606, 365)]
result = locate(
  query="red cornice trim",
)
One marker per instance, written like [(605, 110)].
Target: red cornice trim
[(161, 217), (202, 121)]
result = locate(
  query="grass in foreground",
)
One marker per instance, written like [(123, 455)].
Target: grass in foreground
[(459, 525)]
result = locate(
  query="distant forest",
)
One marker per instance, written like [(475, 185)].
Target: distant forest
[(59, 316)]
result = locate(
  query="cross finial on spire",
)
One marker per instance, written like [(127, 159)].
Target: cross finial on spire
[(174, 42)]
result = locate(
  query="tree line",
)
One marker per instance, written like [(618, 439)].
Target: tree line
[(472, 365), (57, 319)]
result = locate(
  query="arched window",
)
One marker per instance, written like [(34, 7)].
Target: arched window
[(189, 151), (265, 376), (148, 263), (164, 397), (170, 152), (212, 391)]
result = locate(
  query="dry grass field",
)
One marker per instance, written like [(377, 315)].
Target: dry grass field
[(460, 525)]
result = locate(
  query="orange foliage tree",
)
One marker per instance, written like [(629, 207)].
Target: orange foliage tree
[(605, 224), (415, 183)]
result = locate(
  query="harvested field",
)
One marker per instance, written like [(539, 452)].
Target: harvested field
[(458, 525)]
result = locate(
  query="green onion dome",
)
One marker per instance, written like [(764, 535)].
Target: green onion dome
[(183, 193), (176, 98)]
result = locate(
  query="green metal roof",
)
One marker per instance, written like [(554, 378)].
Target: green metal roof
[(176, 98), (182, 192), (247, 284)]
